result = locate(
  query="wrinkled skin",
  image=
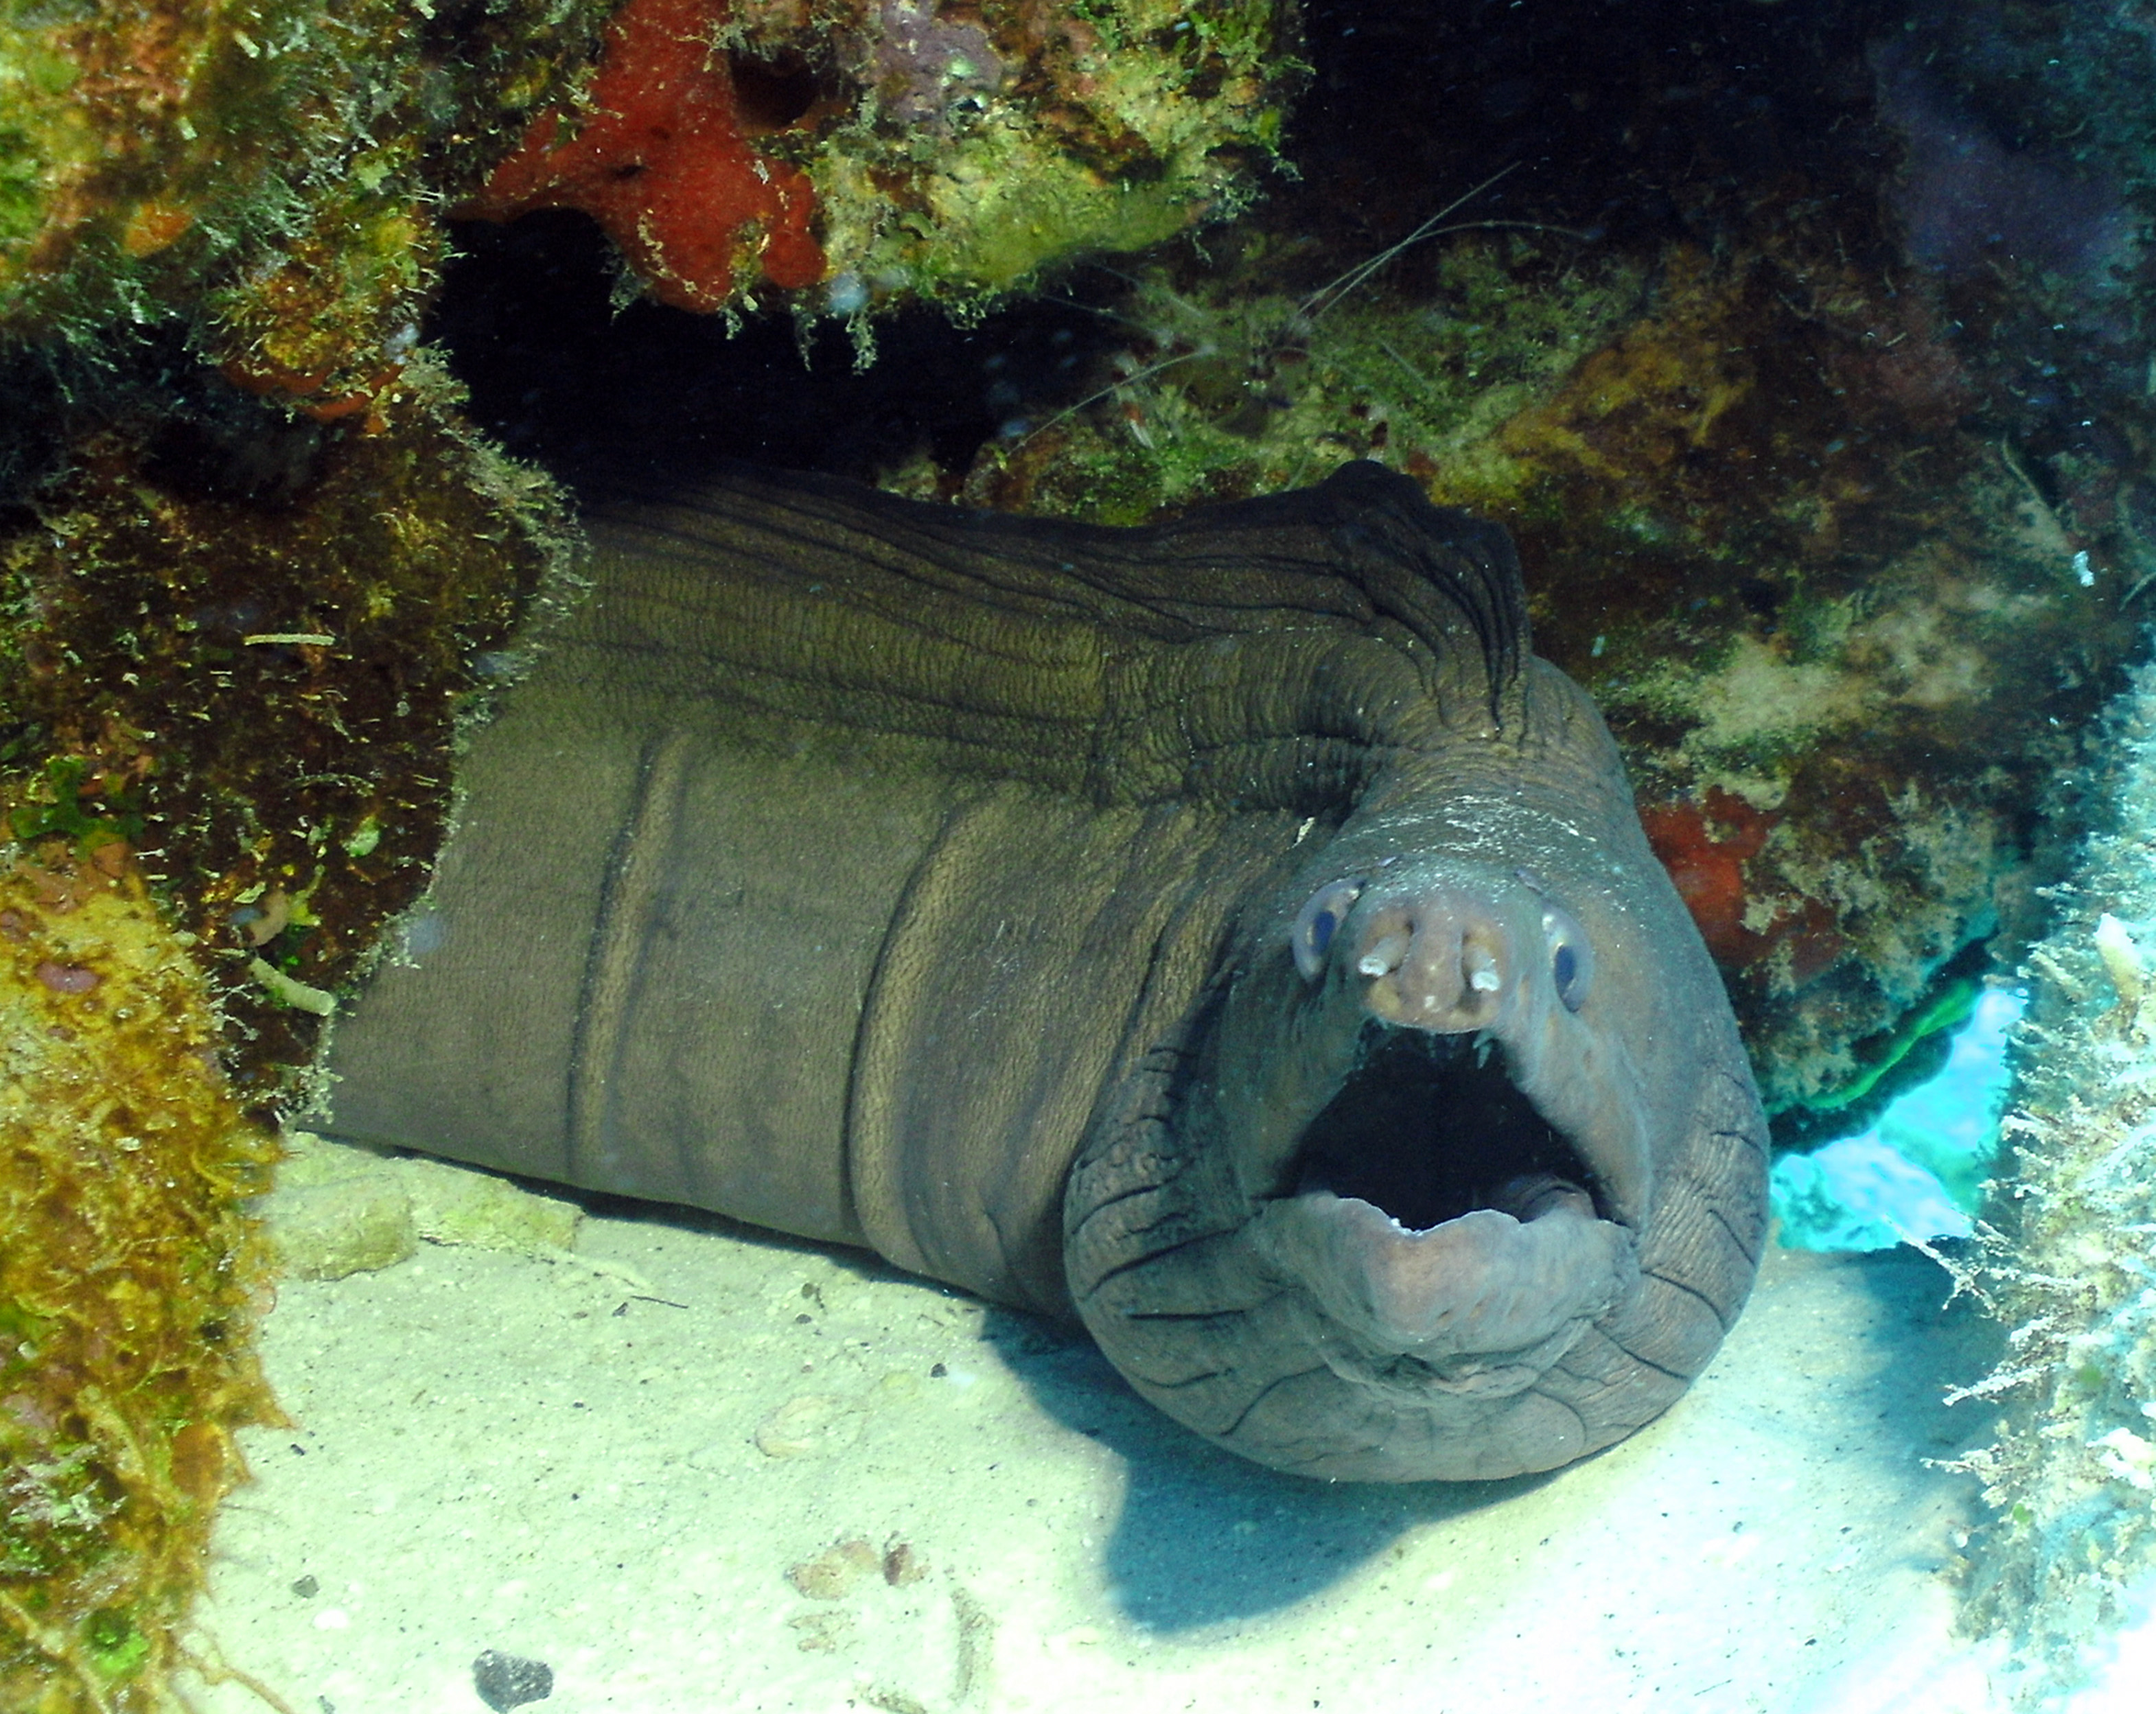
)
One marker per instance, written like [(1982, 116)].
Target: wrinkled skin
[(1227, 933), (1547, 1288)]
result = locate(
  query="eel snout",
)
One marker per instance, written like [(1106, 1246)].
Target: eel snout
[(1449, 956)]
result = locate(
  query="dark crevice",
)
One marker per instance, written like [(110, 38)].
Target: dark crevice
[(1648, 1363), (1265, 1392), (1093, 1288), (1712, 1307), (1749, 1252), (593, 392), (772, 93)]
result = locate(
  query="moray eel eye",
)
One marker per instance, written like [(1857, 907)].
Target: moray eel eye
[(1571, 956), (1316, 923)]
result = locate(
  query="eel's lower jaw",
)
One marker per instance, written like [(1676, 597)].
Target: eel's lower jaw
[(1488, 1285), (1446, 1232)]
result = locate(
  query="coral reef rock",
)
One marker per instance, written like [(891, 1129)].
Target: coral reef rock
[(2066, 1254), (882, 148), (230, 683), (271, 173), (273, 178)]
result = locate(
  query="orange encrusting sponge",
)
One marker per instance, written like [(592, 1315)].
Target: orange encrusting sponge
[(1705, 846), (658, 156)]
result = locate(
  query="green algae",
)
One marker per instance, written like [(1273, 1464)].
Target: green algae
[(52, 807), (1949, 1008), (1234, 390), (271, 173)]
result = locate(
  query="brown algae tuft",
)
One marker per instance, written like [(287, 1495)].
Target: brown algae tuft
[(263, 693), (126, 1329)]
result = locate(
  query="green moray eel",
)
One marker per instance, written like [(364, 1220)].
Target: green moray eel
[(1226, 932)]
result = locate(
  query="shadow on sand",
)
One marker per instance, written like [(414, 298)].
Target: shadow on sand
[(1204, 1538)]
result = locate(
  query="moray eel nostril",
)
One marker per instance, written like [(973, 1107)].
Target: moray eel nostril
[(1228, 934)]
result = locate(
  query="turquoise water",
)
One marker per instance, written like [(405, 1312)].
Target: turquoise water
[(1919, 1172)]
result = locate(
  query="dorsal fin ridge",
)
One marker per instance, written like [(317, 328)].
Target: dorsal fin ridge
[(1443, 575), (1404, 551), (1024, 639)]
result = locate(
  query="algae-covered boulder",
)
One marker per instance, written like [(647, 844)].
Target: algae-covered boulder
[(883, 149), (230, 683), (2063, 1260), (271, 172)]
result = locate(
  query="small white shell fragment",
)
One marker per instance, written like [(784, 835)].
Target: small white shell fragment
[(2122, 962), (806, 1424)]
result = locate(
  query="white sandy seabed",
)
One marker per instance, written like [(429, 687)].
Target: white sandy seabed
[(693, 1467)]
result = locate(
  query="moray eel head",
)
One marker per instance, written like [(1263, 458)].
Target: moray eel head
[(1389, 1218)]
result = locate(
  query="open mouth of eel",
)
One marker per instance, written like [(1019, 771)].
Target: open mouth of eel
[(1452, 1236)]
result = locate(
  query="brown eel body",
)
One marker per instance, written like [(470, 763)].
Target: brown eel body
[(1226, 932)]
